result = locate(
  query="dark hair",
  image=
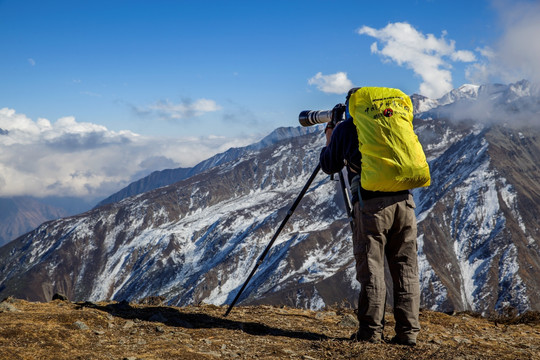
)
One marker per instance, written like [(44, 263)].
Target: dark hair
[(352, 91)]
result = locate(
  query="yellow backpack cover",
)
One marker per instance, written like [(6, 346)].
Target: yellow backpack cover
[(392, 156)]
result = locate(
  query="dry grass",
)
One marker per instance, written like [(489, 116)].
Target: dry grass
[(108, 330)]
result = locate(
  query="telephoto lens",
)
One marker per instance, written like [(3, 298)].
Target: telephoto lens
[(314, 117)]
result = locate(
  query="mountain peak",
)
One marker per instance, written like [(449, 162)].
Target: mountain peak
[(466, 91), (494, 103)]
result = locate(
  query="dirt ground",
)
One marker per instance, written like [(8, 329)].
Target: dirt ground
[(109, 330)]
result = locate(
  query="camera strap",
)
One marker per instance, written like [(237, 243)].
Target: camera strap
[(355, 190)]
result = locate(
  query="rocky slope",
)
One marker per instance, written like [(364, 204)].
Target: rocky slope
[(480, 221)]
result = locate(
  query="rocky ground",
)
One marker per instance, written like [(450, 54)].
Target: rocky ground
[(108, 330)]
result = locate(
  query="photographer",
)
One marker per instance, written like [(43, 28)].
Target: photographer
[(384, 225)]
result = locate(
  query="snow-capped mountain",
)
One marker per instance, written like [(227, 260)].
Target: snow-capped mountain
[(423, 104), (197, 239), (494, 103)]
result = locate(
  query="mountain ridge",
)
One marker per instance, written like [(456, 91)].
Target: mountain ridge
[(169, 176)]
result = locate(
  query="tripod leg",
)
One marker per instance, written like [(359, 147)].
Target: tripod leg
[(348, 205), (265, 252)]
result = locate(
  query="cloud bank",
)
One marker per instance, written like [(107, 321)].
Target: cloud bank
[(69, 158), (515, 55), (428, 56)]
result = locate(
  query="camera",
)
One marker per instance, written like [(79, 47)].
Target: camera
[(314, 117)]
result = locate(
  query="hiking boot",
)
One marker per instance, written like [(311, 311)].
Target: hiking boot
[(370, 338), (403, 341)]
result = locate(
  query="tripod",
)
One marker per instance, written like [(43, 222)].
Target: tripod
[(289, 213)]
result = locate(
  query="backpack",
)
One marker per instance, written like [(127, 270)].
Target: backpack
[(392, 156)]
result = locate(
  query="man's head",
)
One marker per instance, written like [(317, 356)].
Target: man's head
[(349, 94)]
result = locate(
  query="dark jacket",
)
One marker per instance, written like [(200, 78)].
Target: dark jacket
[(343, 150)]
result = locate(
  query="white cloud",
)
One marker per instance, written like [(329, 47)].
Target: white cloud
[(32, 62), (515, 55), (334, 83), (463, 56), (428, 56), (70, 158), (185, 109)]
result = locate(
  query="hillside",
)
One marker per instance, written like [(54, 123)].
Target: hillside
[(110, 330)]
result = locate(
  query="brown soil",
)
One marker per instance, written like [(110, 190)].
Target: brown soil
[(109, 330)]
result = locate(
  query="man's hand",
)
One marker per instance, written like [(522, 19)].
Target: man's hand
[(328, 132)]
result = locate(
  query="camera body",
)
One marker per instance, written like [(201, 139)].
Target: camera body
[(314, 117)]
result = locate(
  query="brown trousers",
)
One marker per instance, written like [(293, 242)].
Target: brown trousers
[(386, 226)]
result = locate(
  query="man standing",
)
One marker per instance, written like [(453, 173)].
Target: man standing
[(384, 226)]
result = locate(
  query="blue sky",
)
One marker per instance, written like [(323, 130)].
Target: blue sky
[(191, 78)]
